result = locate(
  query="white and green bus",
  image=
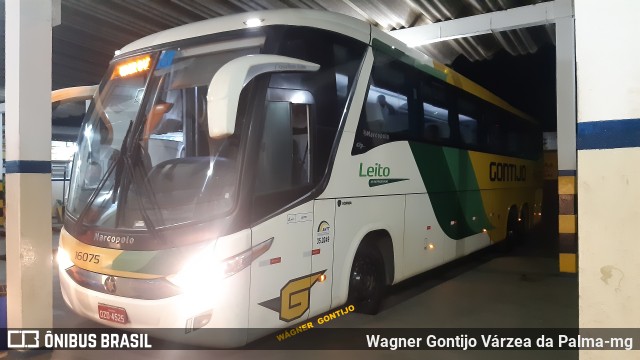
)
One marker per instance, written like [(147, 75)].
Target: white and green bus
[(255, 170)]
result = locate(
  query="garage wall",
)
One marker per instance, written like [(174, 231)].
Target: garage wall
[(608, 178)]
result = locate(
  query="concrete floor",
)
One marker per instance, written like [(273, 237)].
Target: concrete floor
[(486, 290)]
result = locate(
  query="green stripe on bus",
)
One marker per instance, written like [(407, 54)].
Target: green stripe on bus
[(466, 185), (160, 262), (453, 189)]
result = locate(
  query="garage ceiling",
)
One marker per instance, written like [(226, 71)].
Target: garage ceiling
[(92, 30)]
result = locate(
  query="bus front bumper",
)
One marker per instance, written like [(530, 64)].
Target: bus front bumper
[(216, 318)]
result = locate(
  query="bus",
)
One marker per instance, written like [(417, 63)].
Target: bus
[(68, 108), (252, 171)]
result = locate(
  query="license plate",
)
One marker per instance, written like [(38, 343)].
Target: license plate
[(113, 314)]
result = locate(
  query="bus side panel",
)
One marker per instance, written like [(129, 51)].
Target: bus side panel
[(384, 170), (470, 244), (506, 181), (476, 217), (281, 278), (323, 239), (425, 244), (355, 218)]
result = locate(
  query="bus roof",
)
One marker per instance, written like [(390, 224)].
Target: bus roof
[(300, 17), (340, 23), (422, 61)]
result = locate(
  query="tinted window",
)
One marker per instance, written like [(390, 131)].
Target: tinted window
[(434, 96), (386, 111), (302, 114)]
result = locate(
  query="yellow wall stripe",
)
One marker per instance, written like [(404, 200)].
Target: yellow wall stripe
[(567, 224), (566, 185), (568, 263)]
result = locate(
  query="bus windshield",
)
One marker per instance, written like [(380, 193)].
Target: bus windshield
[(145, 158)]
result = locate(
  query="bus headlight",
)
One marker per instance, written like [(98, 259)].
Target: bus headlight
[(200, 273), (63, 259)]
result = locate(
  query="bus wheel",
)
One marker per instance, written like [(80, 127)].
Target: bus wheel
[(366, 282), (524, 222), (513, 234), (514, 230)]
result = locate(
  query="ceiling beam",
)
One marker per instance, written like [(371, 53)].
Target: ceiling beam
[(524, 16)]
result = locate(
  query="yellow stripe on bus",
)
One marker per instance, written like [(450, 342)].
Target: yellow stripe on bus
[(101, 265), (463, 83), (500, 194)]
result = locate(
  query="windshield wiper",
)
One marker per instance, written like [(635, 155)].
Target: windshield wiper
[(141, 183), (123, 153), (114, 165), (103, 181), (125, 171)]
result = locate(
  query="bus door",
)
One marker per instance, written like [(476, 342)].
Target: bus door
[(322, 241), (282, 278)]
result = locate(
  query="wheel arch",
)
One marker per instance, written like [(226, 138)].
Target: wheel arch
[(525, 215), (381, 240)]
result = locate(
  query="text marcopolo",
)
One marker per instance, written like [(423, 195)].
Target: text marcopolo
[(126, 239)]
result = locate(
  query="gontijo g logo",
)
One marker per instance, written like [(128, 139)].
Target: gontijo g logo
[(294, 298)]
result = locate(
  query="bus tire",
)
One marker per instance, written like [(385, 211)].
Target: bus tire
[(512, 235), (514, 232), (524, 222), (367, 280)]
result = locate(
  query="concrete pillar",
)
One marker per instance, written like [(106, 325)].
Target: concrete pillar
[(566, 120), (1, 169), (608, 142), (28, 165)]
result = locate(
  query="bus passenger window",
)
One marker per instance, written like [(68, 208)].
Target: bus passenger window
[(435, 127), (435, 111), (468, 130), (390, 100), (513, 140), (495, 138), (386, 111), (470, 110), (431, 133)]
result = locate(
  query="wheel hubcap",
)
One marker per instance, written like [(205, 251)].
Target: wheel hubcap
[(364, 278)]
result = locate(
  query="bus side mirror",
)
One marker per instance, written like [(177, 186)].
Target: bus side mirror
[(224, 90)]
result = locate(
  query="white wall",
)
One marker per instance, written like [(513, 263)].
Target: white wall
[(608, 88)]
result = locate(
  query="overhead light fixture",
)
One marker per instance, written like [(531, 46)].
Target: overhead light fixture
[(253, 22)]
